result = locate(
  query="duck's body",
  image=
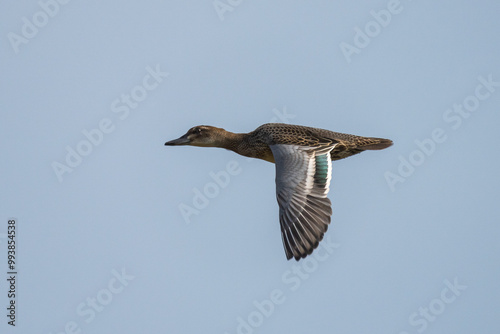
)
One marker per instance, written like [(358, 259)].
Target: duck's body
[(303, 157), (256, 144)]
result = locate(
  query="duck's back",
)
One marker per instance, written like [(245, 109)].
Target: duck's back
[(282, 130)]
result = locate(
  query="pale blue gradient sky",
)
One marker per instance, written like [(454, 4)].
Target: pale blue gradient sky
[(391, 254)]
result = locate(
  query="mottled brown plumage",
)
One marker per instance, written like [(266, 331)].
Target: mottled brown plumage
[(303, 157), (279, 133)]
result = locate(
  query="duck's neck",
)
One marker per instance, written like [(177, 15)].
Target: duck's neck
[(246, 145), (232, 141)]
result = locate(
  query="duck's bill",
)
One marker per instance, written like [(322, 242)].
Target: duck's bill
[(179, 141)]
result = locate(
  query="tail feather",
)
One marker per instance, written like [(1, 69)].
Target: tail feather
[(345, 149), (374, 144)]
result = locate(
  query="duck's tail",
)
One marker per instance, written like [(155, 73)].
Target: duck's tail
[(373, 144), (346, 149)]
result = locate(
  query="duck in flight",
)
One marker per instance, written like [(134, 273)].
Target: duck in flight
[(303, 157)]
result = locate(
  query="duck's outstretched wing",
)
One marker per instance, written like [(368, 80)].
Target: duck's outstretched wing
[(303, 176)]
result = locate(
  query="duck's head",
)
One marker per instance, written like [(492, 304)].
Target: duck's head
[(201, 135)]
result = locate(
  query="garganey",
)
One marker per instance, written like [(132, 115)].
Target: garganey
[(303, 157)]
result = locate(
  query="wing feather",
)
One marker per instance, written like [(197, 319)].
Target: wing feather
[(303, 175)]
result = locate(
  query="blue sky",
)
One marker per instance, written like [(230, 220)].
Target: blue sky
[(118, 233)]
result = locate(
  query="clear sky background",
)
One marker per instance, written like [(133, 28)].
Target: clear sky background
[(113, 234)]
